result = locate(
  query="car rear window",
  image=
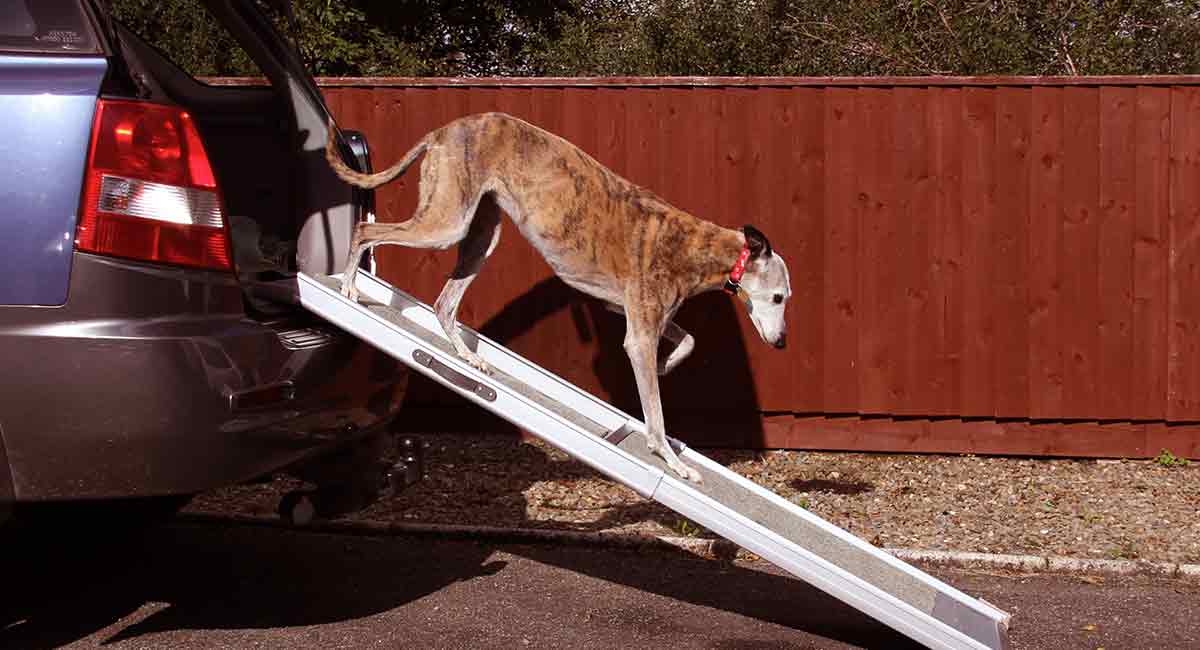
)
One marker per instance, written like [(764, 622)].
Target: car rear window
[(45, 26)]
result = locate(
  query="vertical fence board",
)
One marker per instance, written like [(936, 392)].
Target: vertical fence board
[(768, 176), (944, 128), (1010, 252), (1184, 368), (1150, 284), (1117, 203), (390, 136), (1080, 247), (736, 166), (641, 129), (333, 101), (672, 144), (880, 356), (702, 147), (804, 249), (914, 217), (978, 199), (1046, 372), (841, 300)]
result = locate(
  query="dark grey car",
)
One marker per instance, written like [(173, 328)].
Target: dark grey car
[(151, 227)]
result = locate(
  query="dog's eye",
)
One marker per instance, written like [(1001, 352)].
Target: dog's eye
[(778, 298)]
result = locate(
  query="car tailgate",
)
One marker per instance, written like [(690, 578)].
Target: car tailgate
[(46, 108)]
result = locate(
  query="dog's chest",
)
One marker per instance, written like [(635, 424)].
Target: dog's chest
[(592, 282)]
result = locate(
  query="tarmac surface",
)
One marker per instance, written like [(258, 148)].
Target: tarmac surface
[(193, 585)]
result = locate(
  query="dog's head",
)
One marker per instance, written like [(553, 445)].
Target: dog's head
[(766, 288)]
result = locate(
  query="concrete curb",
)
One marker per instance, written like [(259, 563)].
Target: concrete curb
[(712, 549)]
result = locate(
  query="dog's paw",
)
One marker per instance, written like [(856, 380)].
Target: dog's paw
[(688, 473), (477, 362)]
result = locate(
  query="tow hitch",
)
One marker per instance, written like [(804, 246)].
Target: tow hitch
[(353, 480)]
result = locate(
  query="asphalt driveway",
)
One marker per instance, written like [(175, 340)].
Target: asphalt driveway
[(202, 586)]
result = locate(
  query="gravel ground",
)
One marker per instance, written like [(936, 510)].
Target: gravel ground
[(1106, 509)]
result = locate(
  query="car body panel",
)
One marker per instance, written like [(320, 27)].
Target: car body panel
[(46, 108), (172, 365)]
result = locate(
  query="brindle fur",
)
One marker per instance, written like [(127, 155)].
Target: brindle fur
[(599, 232)]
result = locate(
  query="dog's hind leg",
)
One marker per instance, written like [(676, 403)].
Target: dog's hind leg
[(683, 342), (473, 250), (442, 219), (641, 344)]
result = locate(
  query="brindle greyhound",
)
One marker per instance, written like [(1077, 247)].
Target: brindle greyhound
[(599, 232)]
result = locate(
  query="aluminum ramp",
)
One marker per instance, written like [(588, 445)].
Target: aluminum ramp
[(610, 441)]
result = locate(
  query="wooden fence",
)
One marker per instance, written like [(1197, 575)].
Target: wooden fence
[(978, 265)]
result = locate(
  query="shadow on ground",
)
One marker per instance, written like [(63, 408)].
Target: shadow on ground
[(217, 579)]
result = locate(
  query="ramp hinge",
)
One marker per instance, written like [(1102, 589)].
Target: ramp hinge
[(453, 376)]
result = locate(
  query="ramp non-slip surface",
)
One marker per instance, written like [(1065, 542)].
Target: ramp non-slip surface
[(612, 442)]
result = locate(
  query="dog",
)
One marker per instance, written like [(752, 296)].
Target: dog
[(599, 232)]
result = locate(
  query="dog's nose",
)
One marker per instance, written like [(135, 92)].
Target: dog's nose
[(781, 342)]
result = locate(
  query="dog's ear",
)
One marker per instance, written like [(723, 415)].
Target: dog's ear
[(756, 242)]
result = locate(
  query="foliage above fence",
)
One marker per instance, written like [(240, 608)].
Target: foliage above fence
[(699, 37)]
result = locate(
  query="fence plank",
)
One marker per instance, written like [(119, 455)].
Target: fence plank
[(803, 167), (673, 139), (390, 135), (1184, 368), (914, 210), (641, 131), (978, 205), (841, 299), (1080, 246), (1117, 202), (1151, 291), (768, 176), (944, 126), (703, 152), (880, 355), (1046, 370), (1010, 252)]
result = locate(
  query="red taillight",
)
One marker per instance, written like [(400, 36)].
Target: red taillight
[(149, 193)]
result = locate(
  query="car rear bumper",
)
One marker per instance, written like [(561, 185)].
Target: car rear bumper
[(152, 381)]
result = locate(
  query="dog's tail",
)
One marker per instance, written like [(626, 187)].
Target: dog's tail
[(360, 179)]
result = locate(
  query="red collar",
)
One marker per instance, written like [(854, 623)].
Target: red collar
[(733, 282)]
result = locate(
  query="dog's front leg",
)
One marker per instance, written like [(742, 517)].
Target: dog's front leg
[(683, 342), (642, 350)]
